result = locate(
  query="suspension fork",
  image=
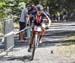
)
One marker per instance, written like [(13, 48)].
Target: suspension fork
[(36, 39)]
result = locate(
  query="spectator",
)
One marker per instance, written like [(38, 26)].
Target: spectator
[(31, 12), (64, 14), (22, 21), (47, 12), (58, 16)]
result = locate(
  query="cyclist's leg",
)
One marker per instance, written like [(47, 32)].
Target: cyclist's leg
[(41, 34)]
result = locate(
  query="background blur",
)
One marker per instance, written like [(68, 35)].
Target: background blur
[(60, 10), (56, 7)]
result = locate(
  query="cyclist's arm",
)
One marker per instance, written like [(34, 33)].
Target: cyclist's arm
[(49, 20)]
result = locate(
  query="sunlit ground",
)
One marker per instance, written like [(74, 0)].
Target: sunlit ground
[(62, 52)]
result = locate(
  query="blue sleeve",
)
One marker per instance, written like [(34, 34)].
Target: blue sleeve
[(43, 15), (32, 11)]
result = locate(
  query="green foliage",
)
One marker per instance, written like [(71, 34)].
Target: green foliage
[(2, 13), (15, 6)]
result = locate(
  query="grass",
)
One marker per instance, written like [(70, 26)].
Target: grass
[(16, 25), (68, 49), (1, 27), (70, 36)]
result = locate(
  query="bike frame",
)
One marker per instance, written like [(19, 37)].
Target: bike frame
[(35, 43)]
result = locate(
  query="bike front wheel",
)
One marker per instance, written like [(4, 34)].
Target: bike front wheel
[(34, 46)]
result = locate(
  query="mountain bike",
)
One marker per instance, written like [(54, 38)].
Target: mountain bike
[(37, 30)]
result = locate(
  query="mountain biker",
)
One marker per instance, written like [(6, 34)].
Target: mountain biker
[(38, 19)]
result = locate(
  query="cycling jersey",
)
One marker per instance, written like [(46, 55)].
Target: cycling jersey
[(38, 19)]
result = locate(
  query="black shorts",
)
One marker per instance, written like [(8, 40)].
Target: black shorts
[(22, 25)]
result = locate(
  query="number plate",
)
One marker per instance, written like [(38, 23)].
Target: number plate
[(37, 28)]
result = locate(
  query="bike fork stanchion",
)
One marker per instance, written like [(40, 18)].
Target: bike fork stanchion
[(28, 33)]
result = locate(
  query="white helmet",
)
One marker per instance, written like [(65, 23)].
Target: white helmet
[(39, 6)]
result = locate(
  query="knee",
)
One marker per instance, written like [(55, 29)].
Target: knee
[(43, 32)]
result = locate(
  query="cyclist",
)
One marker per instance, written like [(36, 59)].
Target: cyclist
[(38, 19)]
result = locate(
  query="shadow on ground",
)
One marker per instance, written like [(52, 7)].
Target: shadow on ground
[(44, 44), (53, 35), (17, 58)]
